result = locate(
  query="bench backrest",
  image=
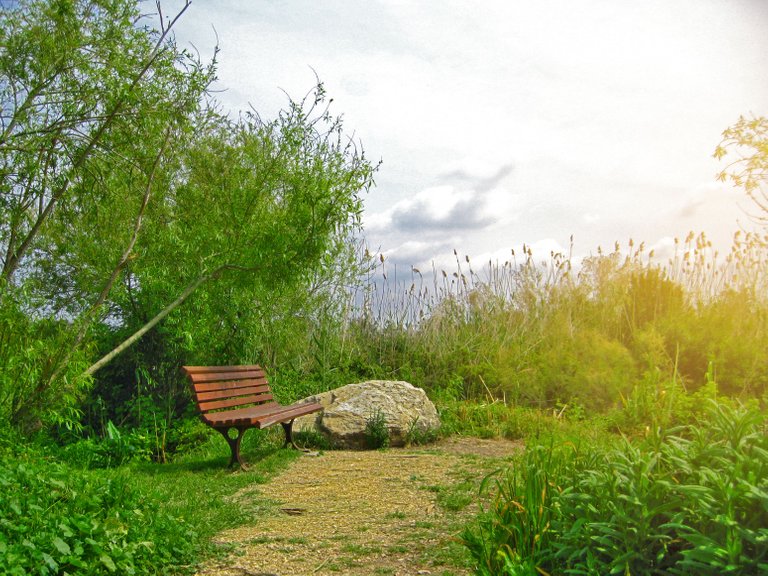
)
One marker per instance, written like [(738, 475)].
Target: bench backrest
[(222, 387)]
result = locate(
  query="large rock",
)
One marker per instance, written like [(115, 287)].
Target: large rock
[(405, 409)]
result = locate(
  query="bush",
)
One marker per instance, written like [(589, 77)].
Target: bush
[(688, 501), (26, 348), (56, 520), (115, 449), (376, 431)]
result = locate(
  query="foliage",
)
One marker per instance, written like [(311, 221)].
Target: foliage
[(140, 518), (89, 99), (106, 228), (25, 349), (115, 449), (267, 280), (56, 521), (417, 434), (376, 431), (680, 501), (747, 139), (587, 336)]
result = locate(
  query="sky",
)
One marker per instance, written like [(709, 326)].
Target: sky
[(500, 124)]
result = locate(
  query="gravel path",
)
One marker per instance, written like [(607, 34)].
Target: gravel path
[(362, 513)]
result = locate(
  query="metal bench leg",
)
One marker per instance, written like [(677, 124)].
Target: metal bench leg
[(288, 428), (234, 445)]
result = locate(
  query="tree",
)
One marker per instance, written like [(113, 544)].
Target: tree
[(246, 253), (89, 98), (79, 82), (123, 196), (262, 205), (747, 139)]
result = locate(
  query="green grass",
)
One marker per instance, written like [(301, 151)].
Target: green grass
[(572, 337), (199, 487), (497, 420), (676, 495), (360, 550), (688, 500), (456, 497), (395, 516), (137, 518)]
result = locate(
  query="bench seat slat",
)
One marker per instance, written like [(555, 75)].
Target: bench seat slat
[(260, 416), (239, 415), (205, 396), (291, 412), (257, 399)]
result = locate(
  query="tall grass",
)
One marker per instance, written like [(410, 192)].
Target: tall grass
[(538, 332), (692, 501), (551, 332)]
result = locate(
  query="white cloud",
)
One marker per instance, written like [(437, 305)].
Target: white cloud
[(608, 111), (417, 253), (663, 249)]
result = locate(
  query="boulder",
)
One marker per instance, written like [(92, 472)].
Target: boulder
[(403, 408)]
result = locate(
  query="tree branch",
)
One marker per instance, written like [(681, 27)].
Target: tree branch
[(128, 342), (11, 265), (89, 316)]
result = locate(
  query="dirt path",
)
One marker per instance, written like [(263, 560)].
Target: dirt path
[(394, 512)]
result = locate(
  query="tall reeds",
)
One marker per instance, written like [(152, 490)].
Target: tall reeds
[(547, 331)]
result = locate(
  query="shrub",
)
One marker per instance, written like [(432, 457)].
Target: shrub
[(376, 431), (115, 449), (56, 520), (688, 501)]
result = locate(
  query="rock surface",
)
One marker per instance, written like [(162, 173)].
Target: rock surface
[(405, 409)]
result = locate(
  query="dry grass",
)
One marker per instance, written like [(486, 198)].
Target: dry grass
[(363, 513)]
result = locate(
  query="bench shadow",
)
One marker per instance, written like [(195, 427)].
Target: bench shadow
[(206, 464)]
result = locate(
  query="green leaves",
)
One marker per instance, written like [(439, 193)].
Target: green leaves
[(747, 140), (669, 504), (56, 520), (87, 100), (62, 547)]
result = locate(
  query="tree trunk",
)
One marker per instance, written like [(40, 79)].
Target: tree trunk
[(149, 325)]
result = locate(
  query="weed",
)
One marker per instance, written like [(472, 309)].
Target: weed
[(418, 435), (360, 550), (376, 430), (313, 439), (58, 520), (457, 496), (67, 519), (395, 516)]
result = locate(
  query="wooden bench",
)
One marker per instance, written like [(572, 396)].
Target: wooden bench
[(239, 398)]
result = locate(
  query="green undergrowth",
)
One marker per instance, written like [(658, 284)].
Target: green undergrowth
[(139, 518), (691, 499), (500, 421)]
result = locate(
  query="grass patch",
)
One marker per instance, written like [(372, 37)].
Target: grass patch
[(360, 549), (679, 501), (395, 516), (201, 490), (138, 518), (456, 497)]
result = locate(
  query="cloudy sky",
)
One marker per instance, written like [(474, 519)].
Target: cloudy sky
[(509, 122)]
